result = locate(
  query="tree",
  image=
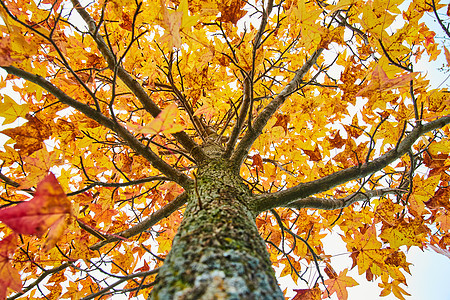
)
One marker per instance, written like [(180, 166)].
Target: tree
[(276, 122)]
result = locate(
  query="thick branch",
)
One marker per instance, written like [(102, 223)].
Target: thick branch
[(127, 136), (261, 120), (303, 190), (192, 147), (157, 216), (331, 204)]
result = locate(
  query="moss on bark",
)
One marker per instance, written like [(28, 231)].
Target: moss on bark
[(217, 252)]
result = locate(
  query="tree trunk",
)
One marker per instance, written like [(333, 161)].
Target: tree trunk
[(217, 252)]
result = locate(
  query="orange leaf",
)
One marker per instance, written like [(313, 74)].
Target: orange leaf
[(49, 208), (340, 284), (9, 277)]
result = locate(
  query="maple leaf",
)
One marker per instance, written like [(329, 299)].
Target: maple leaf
[(337, 141), (307, 294), (162, 124), (9, 276), (30, 136), (257, 162), (404, 233), (340, 284), (282, 121), (394, 288), (175, 22), (49, 208), (11, 110), (314, 155), (231, 11), (380, 82)]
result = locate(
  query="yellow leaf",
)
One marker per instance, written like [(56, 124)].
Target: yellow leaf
[(10, 110)]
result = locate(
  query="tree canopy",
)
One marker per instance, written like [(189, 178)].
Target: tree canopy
[(110, 108)]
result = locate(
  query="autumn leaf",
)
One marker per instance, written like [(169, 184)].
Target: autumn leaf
[(30, 136), (337, 141), (207, 110), (174, 22), (49, 208), (307, 294), (257, 162), (164, 123), (231, 11), (10, 110), (404, 233), (9, 276), (380, 82), (314, 155), (340, 284), (282, 121), (394, 288)]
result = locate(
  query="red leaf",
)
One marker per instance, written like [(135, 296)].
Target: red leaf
[(49, 208)]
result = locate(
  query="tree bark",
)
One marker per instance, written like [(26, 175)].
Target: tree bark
[(217, 252)]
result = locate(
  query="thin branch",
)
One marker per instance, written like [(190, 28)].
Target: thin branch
[(157, 216), (261, 120), (95, 115), (121, 280), (241, 118), (303, 190), (439, 19), (119, 184)]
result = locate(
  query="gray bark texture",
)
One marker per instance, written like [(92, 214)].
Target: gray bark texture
[(217, 252)]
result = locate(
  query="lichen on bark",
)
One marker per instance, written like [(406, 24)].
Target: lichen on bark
[(217, 252)]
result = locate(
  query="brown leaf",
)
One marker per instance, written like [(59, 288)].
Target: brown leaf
[(314, 155), (337, 141), (30, 136), (282, 121), (231, 11), (257, 162)]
